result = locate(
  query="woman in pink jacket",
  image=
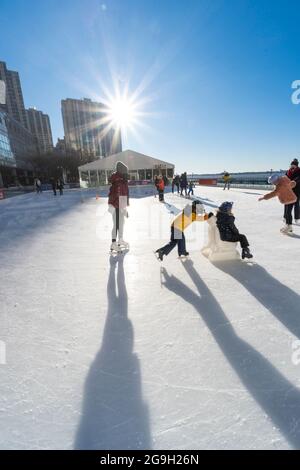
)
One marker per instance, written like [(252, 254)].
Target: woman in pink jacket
[(284, 191)]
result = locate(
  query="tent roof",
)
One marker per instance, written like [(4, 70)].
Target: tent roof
[(134, 161)]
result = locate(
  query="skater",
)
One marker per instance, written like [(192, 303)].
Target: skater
[(60, 186), (173, 185), (228, 230), (191, 213), (183, 184), (161, 189), (191, 188), (118, 200), (156, 183), (286, 195), (177, 182), (294, 175), (226, 179), (53, 184), (38, 185)]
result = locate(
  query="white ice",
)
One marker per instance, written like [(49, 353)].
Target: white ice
[(125, 353)]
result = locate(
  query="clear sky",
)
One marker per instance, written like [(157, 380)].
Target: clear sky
[(214, 75)]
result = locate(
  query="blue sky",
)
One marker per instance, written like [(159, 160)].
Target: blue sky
[(215, 75)]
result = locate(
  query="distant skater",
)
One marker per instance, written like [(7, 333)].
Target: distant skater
[(191, 188), (38, 186), (226, 179), (53, 185), (161, 189), (183, 184), (60, 186)]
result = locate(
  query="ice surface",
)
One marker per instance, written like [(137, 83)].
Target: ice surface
[(125, 353)]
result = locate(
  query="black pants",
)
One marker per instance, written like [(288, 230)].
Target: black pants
[(161, 195), (183, 188), (288, 212), (177, 238), (243, 241), (54, 191), (288, 209)]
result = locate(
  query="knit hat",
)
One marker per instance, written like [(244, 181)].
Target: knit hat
[(226, 206), (121, 168), (295, 162), (273, 179)]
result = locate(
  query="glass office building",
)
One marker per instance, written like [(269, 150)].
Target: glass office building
[(6, 155), (7, 159)]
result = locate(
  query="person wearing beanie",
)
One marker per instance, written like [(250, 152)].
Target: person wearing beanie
[(118, 200), (228, 230), (284, 191), (294, 175), (161, 188), (191, 213)]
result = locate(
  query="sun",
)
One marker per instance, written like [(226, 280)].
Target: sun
[(122, 112)]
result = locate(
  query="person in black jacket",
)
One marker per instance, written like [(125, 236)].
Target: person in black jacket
[(294, 174), (183, 184), (228, 230)]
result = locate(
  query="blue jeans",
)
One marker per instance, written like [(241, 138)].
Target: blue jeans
[(177, 238)]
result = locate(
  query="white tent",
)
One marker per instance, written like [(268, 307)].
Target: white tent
[(140, 166)]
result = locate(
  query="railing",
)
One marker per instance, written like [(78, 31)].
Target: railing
[(262, 186)]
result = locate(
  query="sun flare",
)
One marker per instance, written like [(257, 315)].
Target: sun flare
[(122, 112)]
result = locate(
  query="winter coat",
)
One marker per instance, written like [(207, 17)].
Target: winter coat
[(161, 185), (226, 177), (183, 181), (294, 175), (284, 191), (185, 218), (119, 188), (228, 230)]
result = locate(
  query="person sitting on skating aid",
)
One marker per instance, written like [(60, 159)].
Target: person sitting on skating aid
[(191, 213), (284, 190), (228, 230)]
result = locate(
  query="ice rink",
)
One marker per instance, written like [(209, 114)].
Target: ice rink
[(102, 352)]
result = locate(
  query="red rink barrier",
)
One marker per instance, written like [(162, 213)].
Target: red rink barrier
[(208, 182)]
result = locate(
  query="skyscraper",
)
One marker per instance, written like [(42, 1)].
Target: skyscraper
[(39, 125), (86, 130), (14, 105)]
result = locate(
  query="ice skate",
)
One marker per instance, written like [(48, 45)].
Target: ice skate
[(114, 247), (246, 253), (184, 255), (123, 245), (287, 229), (297, 221), (159, 254)]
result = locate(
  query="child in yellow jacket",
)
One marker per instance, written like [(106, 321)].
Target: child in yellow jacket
[(191, 213)]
